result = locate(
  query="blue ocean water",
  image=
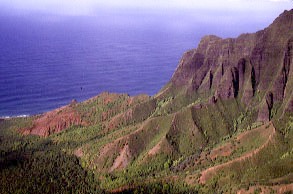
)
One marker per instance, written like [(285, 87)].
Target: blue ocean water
[(46, 61)]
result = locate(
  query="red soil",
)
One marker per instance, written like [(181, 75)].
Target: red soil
[(78, 152), (54, 121), (122, 160)]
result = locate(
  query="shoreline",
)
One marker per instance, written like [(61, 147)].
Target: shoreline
[(13, 117)]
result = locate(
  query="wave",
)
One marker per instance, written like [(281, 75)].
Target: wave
[(17, 116)]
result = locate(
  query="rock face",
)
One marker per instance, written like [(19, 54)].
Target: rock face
[(252, 66)]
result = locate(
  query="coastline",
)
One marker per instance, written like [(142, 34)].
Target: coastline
[(12, 117)]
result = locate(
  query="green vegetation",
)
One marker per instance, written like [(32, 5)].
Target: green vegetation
[(184, 139), (181, 137), (30, 164)]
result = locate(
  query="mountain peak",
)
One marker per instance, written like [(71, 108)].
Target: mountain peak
[(256, 64)]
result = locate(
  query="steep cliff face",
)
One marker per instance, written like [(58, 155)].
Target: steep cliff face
[(254, 68)]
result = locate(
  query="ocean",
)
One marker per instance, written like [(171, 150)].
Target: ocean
[(47, 60)]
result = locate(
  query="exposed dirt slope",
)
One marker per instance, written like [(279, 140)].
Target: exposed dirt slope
[(54, 121)]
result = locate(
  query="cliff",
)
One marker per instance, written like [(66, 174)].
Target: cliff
[(254, 68)]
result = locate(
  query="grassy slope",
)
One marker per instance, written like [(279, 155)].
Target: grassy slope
[(183, 135)]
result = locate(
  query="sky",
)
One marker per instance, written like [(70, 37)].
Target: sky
[(92, 7)]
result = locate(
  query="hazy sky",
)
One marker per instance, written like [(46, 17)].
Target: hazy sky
[(92, 7)]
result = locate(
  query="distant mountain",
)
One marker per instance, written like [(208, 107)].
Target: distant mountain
[(224, 122)]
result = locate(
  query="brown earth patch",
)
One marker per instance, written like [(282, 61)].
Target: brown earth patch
[(156, 149), (78, 152), (54, 121), (122, 160)]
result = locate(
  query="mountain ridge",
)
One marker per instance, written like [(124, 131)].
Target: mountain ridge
[(220, 92), (219, 66)]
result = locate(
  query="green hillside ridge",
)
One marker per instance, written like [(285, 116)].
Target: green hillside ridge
[(223, 124)]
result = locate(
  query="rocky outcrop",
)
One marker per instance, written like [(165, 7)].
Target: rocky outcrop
[(252, 67), (265, 110)]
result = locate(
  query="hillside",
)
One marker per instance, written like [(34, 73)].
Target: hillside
[(223, 123)]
